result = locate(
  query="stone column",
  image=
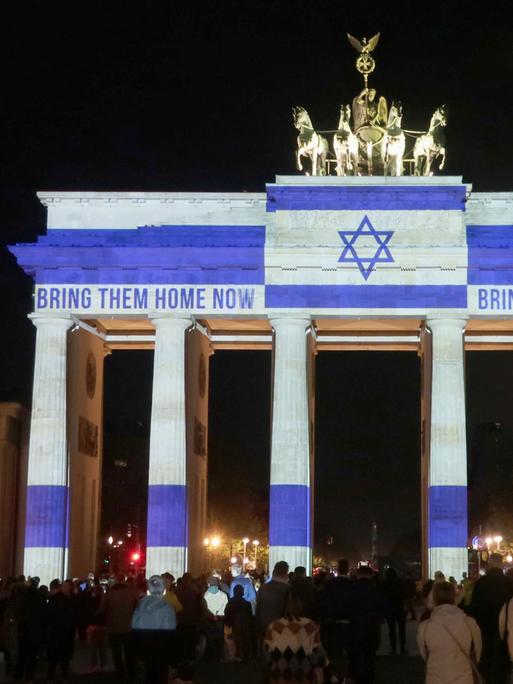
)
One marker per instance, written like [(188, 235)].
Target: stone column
[(47, 484), (447, 495), (289, 508), (166, 543)]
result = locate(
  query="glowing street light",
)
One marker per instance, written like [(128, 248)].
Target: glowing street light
[(110, 540), (255, 544), (488, 541), (210, 544), (509, 558)]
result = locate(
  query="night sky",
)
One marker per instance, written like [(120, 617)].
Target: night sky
[(196, 97)]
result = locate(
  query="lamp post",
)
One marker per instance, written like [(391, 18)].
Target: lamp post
[(255, 544), (245, 541), (211, 544)]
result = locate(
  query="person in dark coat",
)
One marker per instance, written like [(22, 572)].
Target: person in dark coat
[(238, 615), (271, 598), (394, 590), (367, 610), (304, 589), (189, 619), (489, 595), (60, 628), (118, 605), (30, 632), (334, 610)]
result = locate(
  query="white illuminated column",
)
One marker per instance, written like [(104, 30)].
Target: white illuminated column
[(167, 484), (47, 485), (289, 509), (447, 496)]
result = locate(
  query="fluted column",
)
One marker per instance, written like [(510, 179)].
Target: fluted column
[(447, 496), (289, 512), (47, 484), (166, 543)]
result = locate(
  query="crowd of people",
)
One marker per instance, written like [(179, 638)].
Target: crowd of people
[(321, 629)]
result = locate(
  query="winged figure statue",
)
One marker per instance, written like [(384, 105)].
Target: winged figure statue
[(365, 46)]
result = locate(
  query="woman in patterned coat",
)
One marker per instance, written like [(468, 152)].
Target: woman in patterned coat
[(293, 647)]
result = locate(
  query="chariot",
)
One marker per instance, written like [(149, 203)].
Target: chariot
[(375, 143)]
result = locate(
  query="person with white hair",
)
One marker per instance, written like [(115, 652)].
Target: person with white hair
[(154, 625), (240, 578)]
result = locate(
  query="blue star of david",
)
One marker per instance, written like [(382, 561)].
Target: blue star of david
[(350, 254)]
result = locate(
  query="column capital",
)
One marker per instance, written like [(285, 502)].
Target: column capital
[(290, 321), (163, 321), (439, 322), (51, 320)]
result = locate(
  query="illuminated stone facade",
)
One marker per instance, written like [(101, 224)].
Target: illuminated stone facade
[(311, 265)]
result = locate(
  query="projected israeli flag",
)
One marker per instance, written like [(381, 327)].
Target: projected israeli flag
[(354, 247)]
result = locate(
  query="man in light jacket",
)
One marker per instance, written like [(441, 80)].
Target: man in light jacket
[(449, 641), (154, 625)]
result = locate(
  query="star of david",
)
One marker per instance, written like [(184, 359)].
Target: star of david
[(350, 253)]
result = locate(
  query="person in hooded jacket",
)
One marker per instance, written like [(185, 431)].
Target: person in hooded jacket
[(154, 625), (449, 641)]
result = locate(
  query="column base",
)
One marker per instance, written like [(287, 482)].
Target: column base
[(294, 555), (161, 559), (452, 561), (47, 563)]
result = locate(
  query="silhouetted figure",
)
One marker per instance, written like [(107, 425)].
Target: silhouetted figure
[(394, 590), (118, 605), (238, 615), (30, 632), (304, 588), (334, 610), (489, 595), (367, 609), (60, 628)]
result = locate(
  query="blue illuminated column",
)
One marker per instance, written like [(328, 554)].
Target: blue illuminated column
[(447, 496), (166, 542), (45, 553), (289, 512)]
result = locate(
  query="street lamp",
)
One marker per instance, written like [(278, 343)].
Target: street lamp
[(245, 541), (110, 540), (497, 539), (255, 544), (210, 543)]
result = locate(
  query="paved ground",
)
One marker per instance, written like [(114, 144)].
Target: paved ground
[(390, 669)]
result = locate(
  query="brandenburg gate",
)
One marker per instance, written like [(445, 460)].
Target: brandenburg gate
[(368, 259), (314, 264)]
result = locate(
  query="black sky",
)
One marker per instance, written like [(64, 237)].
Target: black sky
[(197, 96)]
